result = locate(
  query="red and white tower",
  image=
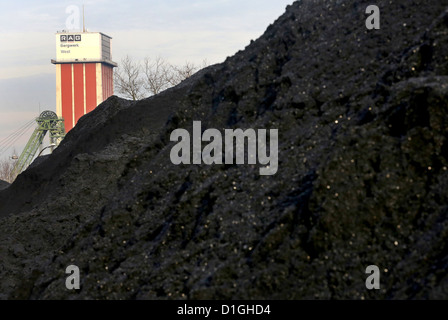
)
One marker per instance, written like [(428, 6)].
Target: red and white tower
[(84, 73)]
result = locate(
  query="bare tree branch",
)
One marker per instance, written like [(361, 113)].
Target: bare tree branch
[(128, 80), (135, 82), (7, 169), (182, 73), (158, 75)]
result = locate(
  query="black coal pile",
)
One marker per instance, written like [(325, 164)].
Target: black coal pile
[(362, 119), (3, 184)]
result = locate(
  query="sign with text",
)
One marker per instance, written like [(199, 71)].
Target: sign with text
[(71, 47)]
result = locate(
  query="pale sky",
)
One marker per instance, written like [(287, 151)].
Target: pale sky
[(177, 30)]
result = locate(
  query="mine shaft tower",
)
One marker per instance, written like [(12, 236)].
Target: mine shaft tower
[(47, 122), (84, 73)]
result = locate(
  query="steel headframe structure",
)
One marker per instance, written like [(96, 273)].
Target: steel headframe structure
[(48, 121)]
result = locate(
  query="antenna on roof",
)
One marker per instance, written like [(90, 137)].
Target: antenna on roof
[(83, 20)]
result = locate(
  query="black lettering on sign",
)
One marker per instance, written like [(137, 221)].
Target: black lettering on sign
[(70, 37)]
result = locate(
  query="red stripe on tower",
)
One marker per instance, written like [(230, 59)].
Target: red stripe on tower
[(66, 95), (90, 86), (78, 74)]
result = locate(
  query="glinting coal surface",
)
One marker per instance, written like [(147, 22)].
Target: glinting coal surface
[(362, 179)]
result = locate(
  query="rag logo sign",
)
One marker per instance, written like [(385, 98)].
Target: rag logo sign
[(213, 152), (70, 37)]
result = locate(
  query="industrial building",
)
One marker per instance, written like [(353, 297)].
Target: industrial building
[(84, 73), (84, 79)]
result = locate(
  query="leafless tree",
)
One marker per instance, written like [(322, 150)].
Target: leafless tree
[(158, 75), (7, 170), (135, 81), (184, 72), (128, 80)]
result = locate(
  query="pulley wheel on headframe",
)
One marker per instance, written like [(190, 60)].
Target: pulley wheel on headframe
[(48, 115)]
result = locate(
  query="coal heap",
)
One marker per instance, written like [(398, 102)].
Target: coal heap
[(3, 184), (362, 179)]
